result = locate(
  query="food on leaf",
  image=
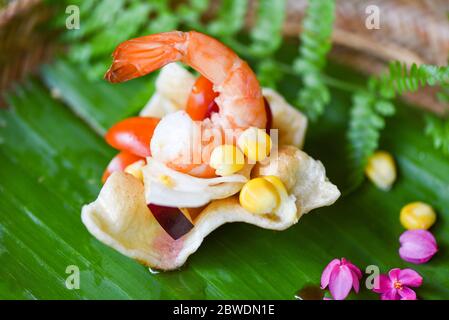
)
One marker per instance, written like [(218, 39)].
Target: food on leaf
[(381, 170), (417, 215), (208, 146)]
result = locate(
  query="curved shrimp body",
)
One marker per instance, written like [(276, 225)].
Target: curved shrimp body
[(239, 99)]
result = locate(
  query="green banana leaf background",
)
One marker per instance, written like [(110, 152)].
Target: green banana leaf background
[(52, 155)]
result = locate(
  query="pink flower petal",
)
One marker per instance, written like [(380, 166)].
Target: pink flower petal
[(355, 280), (340, 282), (354, 268), (385, 284), (417, 246), (390, 295), (407, 294), (394, 274), (409, 277), (417, 236), (327, 272)]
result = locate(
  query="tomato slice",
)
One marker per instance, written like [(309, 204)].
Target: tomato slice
[(119, 163), (201, 100), (132, 135)]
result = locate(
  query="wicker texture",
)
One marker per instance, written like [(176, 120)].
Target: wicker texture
[(24, 44), (411, 31)]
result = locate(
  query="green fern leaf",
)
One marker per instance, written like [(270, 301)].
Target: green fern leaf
[(230, 18), (438, 130), (315, 44)]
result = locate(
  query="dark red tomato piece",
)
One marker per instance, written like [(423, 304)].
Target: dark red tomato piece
[(201, 99), (132, 135), (213, 108), (174, 222), (269, 116), (119, 163)]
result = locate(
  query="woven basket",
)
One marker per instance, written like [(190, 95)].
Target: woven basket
[(24, 42)]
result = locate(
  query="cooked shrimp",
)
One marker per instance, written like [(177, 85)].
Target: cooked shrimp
[(239, 99)]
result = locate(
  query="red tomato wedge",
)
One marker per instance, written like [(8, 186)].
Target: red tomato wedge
[(132, 135), (119, 163), (201, 100)]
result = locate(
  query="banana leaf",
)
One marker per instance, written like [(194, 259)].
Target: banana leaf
[(51, 159)]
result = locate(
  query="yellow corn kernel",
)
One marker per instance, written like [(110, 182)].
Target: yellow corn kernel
[(135, 169), (417, 215), (226, 160), (262, 195), (280, 187), (255, 143), (381, 170), (166, 181)]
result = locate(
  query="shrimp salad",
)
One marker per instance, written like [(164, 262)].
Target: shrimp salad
[(206, 150)]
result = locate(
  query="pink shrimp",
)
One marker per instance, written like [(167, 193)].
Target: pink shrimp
[(239, 99)]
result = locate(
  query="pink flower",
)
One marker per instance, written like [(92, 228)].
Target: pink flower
[(341, 276), (417, 246), (396, 285)]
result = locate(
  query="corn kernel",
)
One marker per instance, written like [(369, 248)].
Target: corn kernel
[(262, 195), (166, 181), (381, 170), (226, 160), (279, 185), (135, 169), (255, 143), (417, 215)]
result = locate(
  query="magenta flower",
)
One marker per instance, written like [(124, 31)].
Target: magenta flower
[(396, 285), (417, 246), (341, 276)]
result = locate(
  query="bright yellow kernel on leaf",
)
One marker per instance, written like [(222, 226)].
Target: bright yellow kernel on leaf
[(417, 215), (255, 143), (381, 170)]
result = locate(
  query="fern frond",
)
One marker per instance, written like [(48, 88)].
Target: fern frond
[(266, 34), (401, 78), (370, 108), (315, 44), (365, 123), (438, 130), (230, 18)]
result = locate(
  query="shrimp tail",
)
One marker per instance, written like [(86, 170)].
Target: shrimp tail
[(140, 56)]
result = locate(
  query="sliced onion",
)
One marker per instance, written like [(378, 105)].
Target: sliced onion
[(174, 222)]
